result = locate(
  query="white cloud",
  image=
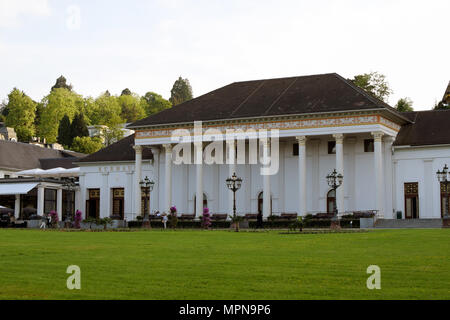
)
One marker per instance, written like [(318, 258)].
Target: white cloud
[(12, 11)]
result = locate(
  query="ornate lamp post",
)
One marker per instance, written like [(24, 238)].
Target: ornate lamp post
[(443, 177), (335, 180), (234, 183), (147, 184), (69, 184)]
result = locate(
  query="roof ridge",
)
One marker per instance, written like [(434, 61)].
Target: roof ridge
[(280, 95), (248, 97)]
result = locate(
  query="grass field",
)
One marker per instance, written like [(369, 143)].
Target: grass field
[(415, 264)]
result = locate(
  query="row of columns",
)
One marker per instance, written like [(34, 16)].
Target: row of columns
[(267, 210)]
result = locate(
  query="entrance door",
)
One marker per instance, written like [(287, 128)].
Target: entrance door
[(331, 200), (93, 204), (412, 200)]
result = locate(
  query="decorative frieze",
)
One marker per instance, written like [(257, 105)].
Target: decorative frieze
[(288, 124)]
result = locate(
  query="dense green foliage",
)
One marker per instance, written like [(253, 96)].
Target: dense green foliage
[(59, 107), (20, 114), (224, 265), (86, 145), (375, 84), (181, 91), (404, 105)]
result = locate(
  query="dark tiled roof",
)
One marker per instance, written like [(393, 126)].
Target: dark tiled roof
[(272, 97), (428, 128), (23, 156), (122, 150), (66, 163)]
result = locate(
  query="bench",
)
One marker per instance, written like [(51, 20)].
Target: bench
[(154, 217), (219, 217), (186, 217), (288, 216)]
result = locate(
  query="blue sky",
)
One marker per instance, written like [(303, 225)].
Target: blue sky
[(146, 45)]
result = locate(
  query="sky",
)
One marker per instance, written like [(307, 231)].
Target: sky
[(101, 45)]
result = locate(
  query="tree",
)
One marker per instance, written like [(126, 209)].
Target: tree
[(154, 103), (375, 84), (104, 110), (78, 127), (404, 105), (130, 108), (86, 145), (113, 132), (126, 92), (58, 103), (64, 136), (21, 114), (181, 91), (61, 82)]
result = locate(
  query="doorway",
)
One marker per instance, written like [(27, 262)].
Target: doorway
[(93, 204), (412, 200), (331, 200)]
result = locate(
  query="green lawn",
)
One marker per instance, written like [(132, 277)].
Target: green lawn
[(415, 264)]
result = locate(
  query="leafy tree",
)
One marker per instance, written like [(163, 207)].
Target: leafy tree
[(154, 103), (21, 114), (113, 132), (86, 145), (131, 108), (126, 92), (61, 82), (58, 103), (64, 136), (375, 84), (181, 91), (404, 105), (78, 127), (104, 110)]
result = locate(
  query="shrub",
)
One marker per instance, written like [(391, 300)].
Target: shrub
[(78, 218), (54, 218), (173, 219), (206, 219)]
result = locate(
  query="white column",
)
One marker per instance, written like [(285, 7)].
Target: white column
[(267, 210), (105, 197), (137, 179), (314, 145), (302, 174), (168, 177), (378, 171), (129, 196), (350, 177), (388, 178), (59, 204), (40, 200), (154, 196), (340, 169), (17, 207), (82, 202), (199, 179), (231, 151)]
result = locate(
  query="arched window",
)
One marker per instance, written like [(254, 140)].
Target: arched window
[(331, 198), (261, 202), (205, 202)]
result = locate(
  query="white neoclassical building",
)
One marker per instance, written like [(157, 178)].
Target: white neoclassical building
[(315, 124)]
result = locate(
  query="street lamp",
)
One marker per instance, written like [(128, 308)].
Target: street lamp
[(443, 177), (69, 184), (234, 184), (147, 184), (335, 180)]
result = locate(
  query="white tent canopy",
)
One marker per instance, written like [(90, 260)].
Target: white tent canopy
[(51, 173), (16, 188)]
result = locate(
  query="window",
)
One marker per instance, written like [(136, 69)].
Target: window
[(50, 200), (118, 202), (7, 176), (369, 145), (331, 147), (295, 149), (68, 205), (412, 200), (145, 200)]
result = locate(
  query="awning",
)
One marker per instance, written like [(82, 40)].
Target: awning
[(51, 173), (16, 188)]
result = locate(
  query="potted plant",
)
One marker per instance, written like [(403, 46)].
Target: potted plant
[(173, 219), (206, 219), (78, 219), (54, 219)]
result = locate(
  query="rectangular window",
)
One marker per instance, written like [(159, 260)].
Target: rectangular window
[(68, 205), (295, 149), (118, 202), (369, 145), (49, 200), (145, 201), (445, 204), (331, 147), (412, 200)]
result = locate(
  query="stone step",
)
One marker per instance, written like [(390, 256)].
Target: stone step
[(408, 223)]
